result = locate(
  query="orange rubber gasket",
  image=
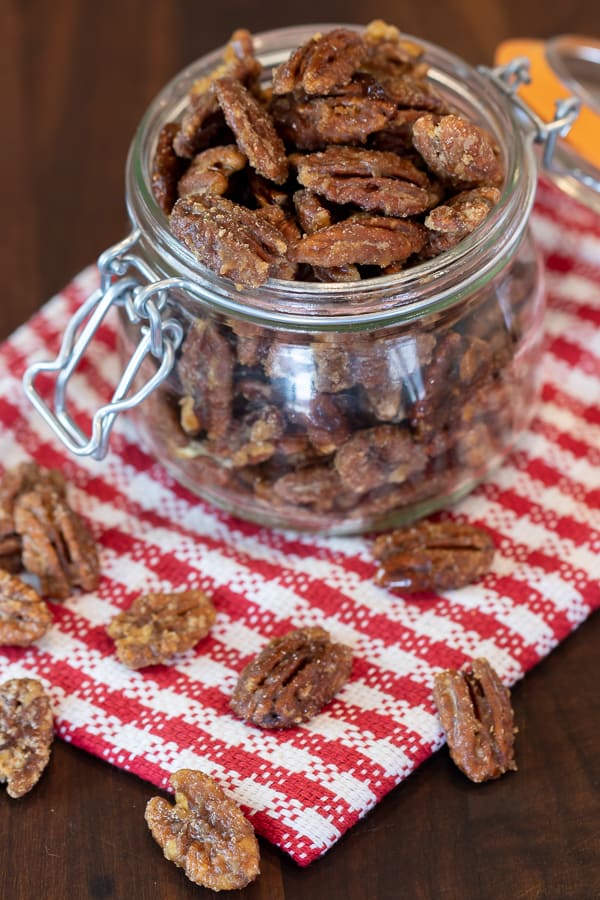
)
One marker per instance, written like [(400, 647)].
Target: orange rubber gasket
[(545, 89)]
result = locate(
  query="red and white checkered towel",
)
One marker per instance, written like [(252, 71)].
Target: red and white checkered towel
[(304, 788)]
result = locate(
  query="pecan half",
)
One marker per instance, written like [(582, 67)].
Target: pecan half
[(457, 151), (57, 546), (430, 556), (167, 168), (457, 217), (202, 123), (384, 454), (253, 128), (24, 617), (209, 172), (292, 678), (477, 717), (314, 122), (371, 179), (157, 626), (25, 734), (370, 241), (326, 62), (205, 833), (205, 370), (228, 238)]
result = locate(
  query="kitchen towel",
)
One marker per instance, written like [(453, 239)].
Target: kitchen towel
[(303, 788)]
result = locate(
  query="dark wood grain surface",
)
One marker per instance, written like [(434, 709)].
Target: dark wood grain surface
[(76, 77)]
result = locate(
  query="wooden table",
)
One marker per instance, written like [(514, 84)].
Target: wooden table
[(76, 77)]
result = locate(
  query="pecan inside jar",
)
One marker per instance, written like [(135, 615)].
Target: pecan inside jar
[(292, 678), (383, 141), (205, 833), (477, 717)]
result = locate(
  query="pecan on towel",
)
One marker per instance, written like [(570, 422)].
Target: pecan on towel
[(24, 617), (432, 556), (157, 626), (205, 833), (291, 679), (477, 718), (25, 734)]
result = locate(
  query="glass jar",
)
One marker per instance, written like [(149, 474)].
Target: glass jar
[(336, 408)]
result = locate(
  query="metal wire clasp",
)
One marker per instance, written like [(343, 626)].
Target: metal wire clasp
[(160, 338), (508, 79)]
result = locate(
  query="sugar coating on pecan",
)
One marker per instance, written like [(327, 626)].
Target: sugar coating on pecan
[(291, 679), (26, 733), (430, 556), (24, 616), (477, 717), (157, 626), (205, 833)]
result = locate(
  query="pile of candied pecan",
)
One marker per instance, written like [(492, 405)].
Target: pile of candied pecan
[(287, 683), (348, 165)]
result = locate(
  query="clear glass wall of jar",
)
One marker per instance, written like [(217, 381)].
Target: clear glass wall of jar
[(342, 408)]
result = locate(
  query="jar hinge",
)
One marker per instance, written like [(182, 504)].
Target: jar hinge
[(508, 79), (160, 337)]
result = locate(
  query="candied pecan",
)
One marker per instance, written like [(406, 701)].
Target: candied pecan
[(371, 241), (24, 477), (25, 734), (202, 122), (326, 423), (457, 217), (291, 679), (57, 545), (205, 833), (323, 63), (209, 171), (375, 456), (310, 211), (24, 617), (167, 168), (477, 717), (205, 370), (264, 193), (371, 179), (458, 151), (315, 486), (10, 553), (252, 342), (233, 241), (430, 556), (158, 625), (312, 123), (288, 227), (436, 393), (253, 128)]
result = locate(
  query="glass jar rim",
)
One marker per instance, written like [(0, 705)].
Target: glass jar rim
[(426, 287)]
